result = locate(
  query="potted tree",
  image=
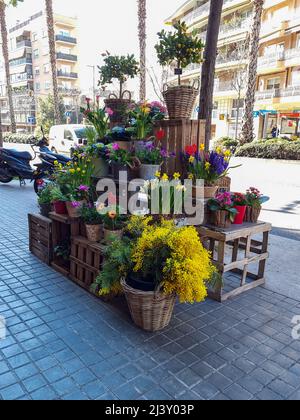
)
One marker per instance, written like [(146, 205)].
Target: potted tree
[(93, 222), (255, 200), (120, 68), (222, 210), (181, 48)]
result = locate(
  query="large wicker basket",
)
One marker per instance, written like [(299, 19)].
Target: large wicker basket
[(180, 101), (151, 311), (119, 106), (224, 184)]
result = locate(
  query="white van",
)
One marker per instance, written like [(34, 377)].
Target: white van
[(62, 138)]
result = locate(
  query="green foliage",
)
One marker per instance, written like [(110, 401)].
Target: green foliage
[(45, 195), (100, 121), (270, 149), (181, 46), (17, 138), (46, 116), (90, 215), (227, 143), (57, 195), (119, 68)]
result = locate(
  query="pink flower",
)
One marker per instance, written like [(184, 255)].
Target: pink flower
[(83, 188), (116, 147), (75, 204), (109, 112), (88, 100)]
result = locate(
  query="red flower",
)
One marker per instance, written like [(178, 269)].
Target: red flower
[(160, 134), (191, 150)]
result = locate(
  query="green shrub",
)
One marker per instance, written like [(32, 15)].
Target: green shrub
[(227, 143), (271, 149), (17, 138)]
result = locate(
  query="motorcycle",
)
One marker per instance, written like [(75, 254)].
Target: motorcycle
[(15, 164)]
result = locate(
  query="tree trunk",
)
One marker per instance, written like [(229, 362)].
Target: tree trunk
[(247, 135), (208, 69), (5, 53), (52, 53), (142, 14), (1, 133)]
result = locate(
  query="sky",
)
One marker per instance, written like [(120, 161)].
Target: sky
[(107, 25)]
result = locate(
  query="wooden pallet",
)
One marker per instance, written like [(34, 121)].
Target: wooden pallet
[(40, 237), (86, 261)]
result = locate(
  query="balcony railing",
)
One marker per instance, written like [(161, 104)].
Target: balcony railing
[(25, 43), (278, 93), (68, 39), (236, 27), (203, 11), (67, 57), (271, 59), (20, 61), (68, 91), (61, 73)]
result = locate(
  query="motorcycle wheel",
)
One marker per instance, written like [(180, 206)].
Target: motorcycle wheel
[(5, 179)]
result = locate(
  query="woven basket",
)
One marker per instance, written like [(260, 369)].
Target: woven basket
[(119, 108), (151, 311), (180, 101), (224, 184)]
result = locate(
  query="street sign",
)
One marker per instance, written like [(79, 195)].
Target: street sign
[(31, 120), (68, 114), (256, 114)]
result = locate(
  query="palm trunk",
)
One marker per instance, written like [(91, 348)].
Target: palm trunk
[(52, 53), (142, 14), (247, 135), (209, 65), (6, 65), (1, 133)]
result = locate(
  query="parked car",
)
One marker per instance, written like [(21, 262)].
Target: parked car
[(64, 138)]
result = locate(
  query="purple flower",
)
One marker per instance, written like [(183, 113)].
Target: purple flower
[(83, 188), (218, 163), (116, 147), (75, 204)]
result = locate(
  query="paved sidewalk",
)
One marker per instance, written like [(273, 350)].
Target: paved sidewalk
[(63, 343)]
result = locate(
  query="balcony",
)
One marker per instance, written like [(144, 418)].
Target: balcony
[(288, 92), (25, 43), (66, 75), (68, 91), (66, 39), (272, 60), (66, 57), (20, 61), (203, 11), (235, 28)]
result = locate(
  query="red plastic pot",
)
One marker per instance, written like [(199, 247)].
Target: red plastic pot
[(239, 218), (60, 207)]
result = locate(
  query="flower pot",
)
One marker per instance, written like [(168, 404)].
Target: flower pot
[(239, 218), (180, 101), (135, 282), (94, 233), (209, 192), (74, 211), (119, 108), (221, 219), (60, 207), (252, 214), (147, 172), (45, 209), (150, 311), (224, 184), (111, 235), (101, 167), (132, 173)]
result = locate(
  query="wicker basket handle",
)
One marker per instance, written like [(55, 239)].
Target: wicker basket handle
[(165, 87), (196, 84), (136, 163), (127, 92), (112, 96)]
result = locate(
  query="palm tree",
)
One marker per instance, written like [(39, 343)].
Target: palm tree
[(208, 70), (52, 53), (4, 36), (247, 135), (142, 15)]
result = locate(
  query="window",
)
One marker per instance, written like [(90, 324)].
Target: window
[(45, 33), (34, 36), (38, 87), (46, 68), (237, 108), (68, 135), (36, 53), (296, 77), (273, 83), (37, 71), (47, 85), (64, 32)]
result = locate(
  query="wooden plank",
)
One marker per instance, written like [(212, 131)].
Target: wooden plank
[(242, 289), (245, 261)]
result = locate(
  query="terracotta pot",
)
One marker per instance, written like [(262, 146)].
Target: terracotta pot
[(252, 214), (221, 219), (45, 209), (239, 218), (74, 212), (60, 207), (209, 192), (111, 235), (94, 233)]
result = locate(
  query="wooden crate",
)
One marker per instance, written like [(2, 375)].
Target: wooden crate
[(178, 135), (40, 237), (86, 261)]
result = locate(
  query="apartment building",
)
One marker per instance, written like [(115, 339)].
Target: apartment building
[(278, 67), (30, 71)]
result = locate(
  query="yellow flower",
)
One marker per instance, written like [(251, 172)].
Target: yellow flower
[(165, 177), (227, 153), (191, 176), (69, 163), (207, 166), (72, 171), (176, 176), (78, 170), (157, 174), (219, 150), (191, 159), (55, 162), (202, 147), (83, 172)]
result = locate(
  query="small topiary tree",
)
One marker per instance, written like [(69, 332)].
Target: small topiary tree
[(179, 46), (120, 68)]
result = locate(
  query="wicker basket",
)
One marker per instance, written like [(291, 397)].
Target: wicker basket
[(180, 101), (119, 107), (224, 184), (151, 311)]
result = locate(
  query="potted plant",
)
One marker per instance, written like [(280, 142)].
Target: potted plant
[(183, 48), (222, 210), (76, 200), (45, 200), (122, 160), (121, 136), (98, 117), (113, 224), (207, 166), (151, 157), (240, 204), (173, 263), (120, 68), (93, 222), (98, 155), (58, 199), (255, 200)]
